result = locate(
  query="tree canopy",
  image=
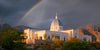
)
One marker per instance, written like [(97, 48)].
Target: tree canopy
[(75, 44), (9, 37)]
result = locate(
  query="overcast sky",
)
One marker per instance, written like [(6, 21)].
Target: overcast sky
[(72, 13)]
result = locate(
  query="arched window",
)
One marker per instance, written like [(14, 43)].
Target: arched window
[(84, 39), (40, 38), (49, 37), (75, 36), (58, 37)]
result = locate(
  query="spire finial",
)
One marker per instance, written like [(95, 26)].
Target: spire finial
[(56, 16)]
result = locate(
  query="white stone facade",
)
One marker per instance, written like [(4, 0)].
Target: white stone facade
[(56, 29), (60, 35)]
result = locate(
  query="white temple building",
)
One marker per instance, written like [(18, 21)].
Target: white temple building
[(56, 31)]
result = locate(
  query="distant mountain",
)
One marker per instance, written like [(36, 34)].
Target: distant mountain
[(3, 26), (92, 30), (20, 28)]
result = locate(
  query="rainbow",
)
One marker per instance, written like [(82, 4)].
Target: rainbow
[(29, 11)]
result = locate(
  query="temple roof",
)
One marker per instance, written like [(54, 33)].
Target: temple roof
[(56, 21)]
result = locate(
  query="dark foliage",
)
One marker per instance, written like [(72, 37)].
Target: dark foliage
[(9, 39)]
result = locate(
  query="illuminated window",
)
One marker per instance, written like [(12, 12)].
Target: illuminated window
[(36, 36), (56, 27)]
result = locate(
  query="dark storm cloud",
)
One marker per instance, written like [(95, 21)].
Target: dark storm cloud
[(72, 13), (13, 10)]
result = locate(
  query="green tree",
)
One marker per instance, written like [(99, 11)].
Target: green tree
[(75, 44), (57, 41), (74, 39), (19, 46), (94, 44), (9, 37), (52, 35)]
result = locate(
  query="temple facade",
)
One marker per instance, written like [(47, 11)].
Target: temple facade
[(56, 31)]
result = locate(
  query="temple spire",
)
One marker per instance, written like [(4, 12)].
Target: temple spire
[(56, 16)]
